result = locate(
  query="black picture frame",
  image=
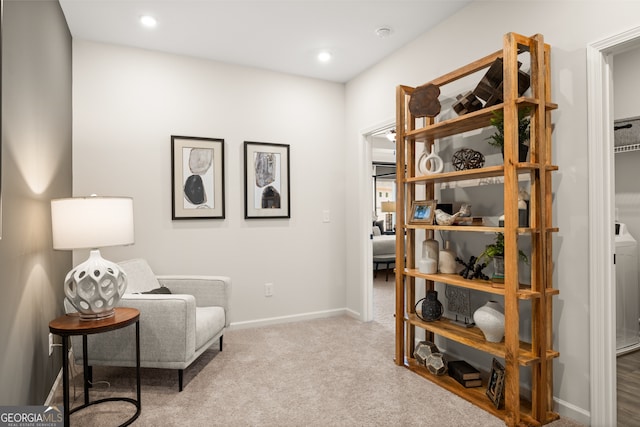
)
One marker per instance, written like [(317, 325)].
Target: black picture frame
[(197, 178), (495, 387), (422, 212), (267, 186)]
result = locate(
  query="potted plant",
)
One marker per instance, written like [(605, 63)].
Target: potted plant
[(495, 253), (497, 139)]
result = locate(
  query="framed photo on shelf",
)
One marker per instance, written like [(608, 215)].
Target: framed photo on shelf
[(197, 178), (495, 388), (422, 212), (266, 180)]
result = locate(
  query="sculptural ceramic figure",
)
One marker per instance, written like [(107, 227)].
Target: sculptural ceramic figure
[(443, 218), (490, 319), (430, 162)]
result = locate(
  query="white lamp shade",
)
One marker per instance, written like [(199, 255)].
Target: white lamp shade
[(92, 222)]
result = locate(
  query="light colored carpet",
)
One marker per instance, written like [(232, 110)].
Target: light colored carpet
[(326, 372)]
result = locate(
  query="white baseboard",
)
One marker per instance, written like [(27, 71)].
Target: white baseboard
[(54, 387), (353, 314), (568, 410), (290, 318)]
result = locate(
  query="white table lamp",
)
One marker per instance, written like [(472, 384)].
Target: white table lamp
[(95, 286)]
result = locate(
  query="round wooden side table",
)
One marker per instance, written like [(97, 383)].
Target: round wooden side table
[(70, 325)]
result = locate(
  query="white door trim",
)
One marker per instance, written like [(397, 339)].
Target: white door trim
[(366, 201), (602, 302)]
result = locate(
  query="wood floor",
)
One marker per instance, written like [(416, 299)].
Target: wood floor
[(628, 377)]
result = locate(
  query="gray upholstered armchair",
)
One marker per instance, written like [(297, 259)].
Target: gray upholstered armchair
[(175, 328)]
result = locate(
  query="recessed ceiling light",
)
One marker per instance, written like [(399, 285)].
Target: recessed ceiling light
[(148, 21), (383, 32), (324, 56)]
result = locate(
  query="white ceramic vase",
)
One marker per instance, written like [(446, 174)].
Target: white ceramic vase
[(447, 260), (490, 319), (431, 248), (427, 266)]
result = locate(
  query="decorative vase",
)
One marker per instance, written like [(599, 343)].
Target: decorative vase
[(427, 266), (432, 309), (498, 269), (431, 248), (447, 260), (430, 162), (523, 151), (523, 208), (490, 319)]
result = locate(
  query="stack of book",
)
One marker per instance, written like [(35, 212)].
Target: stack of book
[(464, 373)]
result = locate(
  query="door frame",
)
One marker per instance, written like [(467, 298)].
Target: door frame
[(602, 301), (366, 200)]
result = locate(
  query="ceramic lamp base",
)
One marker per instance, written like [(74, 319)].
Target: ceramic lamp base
[(95, 287)]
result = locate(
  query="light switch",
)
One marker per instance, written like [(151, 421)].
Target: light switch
[(326, 215)]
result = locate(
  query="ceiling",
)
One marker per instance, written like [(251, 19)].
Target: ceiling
[(283, 36)]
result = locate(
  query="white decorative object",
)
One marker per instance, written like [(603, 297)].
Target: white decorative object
[(443, 218), (95, 286), (430, 247), (428, 266), (490, 319), (447, 260), (429, 163)]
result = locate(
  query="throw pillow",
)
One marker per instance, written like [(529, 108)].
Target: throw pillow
[(160, 290)]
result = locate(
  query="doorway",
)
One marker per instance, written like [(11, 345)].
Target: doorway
[(379, 169), (601, 215)]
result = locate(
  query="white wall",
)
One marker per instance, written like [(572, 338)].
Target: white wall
[(471, 34), (127, 104)]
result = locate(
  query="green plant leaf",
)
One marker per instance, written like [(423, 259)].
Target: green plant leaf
[(497, 249)]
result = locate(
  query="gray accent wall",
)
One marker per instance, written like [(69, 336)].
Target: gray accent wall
[(36, 167)]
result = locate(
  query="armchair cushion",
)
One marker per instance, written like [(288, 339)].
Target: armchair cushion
[(384, 245)]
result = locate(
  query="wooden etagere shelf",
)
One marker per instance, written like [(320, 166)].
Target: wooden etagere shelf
[(474, 395), (471, 121), (488, 172), (524, 292), (537, 354), (473, 337)]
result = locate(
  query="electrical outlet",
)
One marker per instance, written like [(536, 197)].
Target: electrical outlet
[(50, 343), (268, 289)]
